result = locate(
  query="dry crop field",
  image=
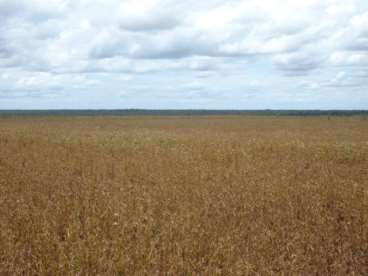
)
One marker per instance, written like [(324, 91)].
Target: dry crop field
[(183, 196)]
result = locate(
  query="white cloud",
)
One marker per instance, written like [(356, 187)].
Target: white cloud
[(43, 40)]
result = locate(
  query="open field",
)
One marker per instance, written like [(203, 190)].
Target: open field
[(183, 196)]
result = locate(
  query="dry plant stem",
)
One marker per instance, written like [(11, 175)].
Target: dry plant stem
[(183, 196)]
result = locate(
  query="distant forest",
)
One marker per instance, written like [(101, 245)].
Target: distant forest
[(181, 112)]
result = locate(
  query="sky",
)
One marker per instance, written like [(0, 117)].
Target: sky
[(187, 54)]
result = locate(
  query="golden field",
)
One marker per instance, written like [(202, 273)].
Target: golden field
[(183, 196)]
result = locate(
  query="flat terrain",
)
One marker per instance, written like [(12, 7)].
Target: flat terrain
[(183, 195)]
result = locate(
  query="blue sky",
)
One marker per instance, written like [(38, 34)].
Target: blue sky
[(279, 54)]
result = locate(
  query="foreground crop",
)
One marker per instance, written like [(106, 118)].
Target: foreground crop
[(183, 196)]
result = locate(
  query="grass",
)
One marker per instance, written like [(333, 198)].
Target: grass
[(183, 196)]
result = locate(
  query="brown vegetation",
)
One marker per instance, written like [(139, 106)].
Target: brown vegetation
[(183, 196)]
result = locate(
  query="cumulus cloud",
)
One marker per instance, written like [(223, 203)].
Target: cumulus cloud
[(298, 63), (45, 40), (358, 29)]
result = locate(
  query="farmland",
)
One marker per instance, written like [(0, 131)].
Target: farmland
[(195, 195)]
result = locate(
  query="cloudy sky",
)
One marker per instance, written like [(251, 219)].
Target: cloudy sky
[(214, 54)]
